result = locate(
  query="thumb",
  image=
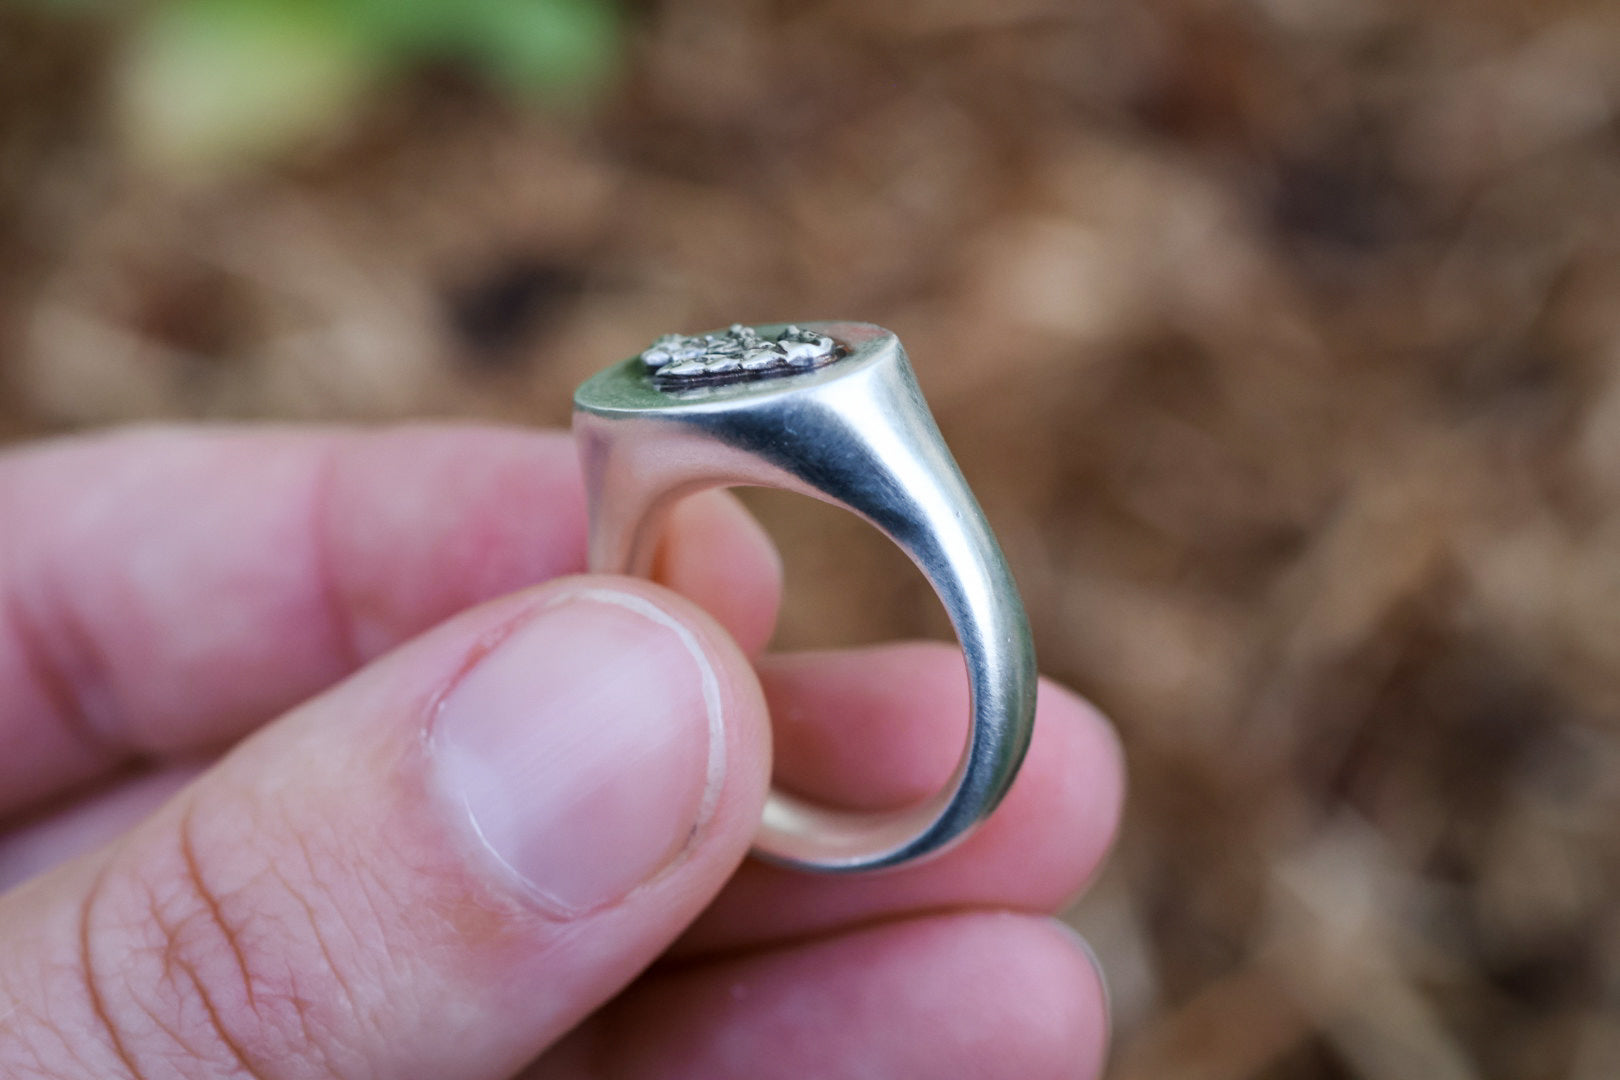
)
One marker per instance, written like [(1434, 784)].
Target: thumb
[(433, 870)]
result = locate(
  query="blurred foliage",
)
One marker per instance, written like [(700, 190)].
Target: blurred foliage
[(209, 82)]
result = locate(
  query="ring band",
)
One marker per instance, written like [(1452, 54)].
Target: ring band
[(831, 410)]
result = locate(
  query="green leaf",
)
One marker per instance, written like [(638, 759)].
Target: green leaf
[(553, 48), (211, 81)]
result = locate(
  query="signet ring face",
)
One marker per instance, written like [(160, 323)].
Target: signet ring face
[(831, 410)]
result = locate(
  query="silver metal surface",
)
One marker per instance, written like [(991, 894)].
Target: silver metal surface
[(853, 430)]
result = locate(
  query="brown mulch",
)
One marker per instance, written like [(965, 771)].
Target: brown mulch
[(1280, 339)]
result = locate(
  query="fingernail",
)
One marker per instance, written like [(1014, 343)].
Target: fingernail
[(585, 748)]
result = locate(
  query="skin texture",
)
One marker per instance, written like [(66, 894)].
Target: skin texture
[(230, 842)]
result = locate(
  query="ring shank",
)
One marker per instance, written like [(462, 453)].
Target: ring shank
[(863, 441)]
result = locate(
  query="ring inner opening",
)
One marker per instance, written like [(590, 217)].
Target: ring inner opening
[(881, 727)]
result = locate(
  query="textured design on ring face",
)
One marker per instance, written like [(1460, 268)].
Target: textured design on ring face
[(676, 361)]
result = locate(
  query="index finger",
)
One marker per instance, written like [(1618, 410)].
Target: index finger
[(164, 591)]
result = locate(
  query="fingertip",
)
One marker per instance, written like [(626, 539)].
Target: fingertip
[(869, 728), (1068, 967), (716, 553), (985, 993), (879, 727), (1077, 765), (883, 726), (1036, 984), (1059, 821)]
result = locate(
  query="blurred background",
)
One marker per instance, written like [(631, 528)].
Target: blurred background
[(1280, 338)]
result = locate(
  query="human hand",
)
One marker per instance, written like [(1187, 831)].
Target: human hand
[(417, 803)]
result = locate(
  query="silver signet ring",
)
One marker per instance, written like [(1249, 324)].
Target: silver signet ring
[(831, 410)]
